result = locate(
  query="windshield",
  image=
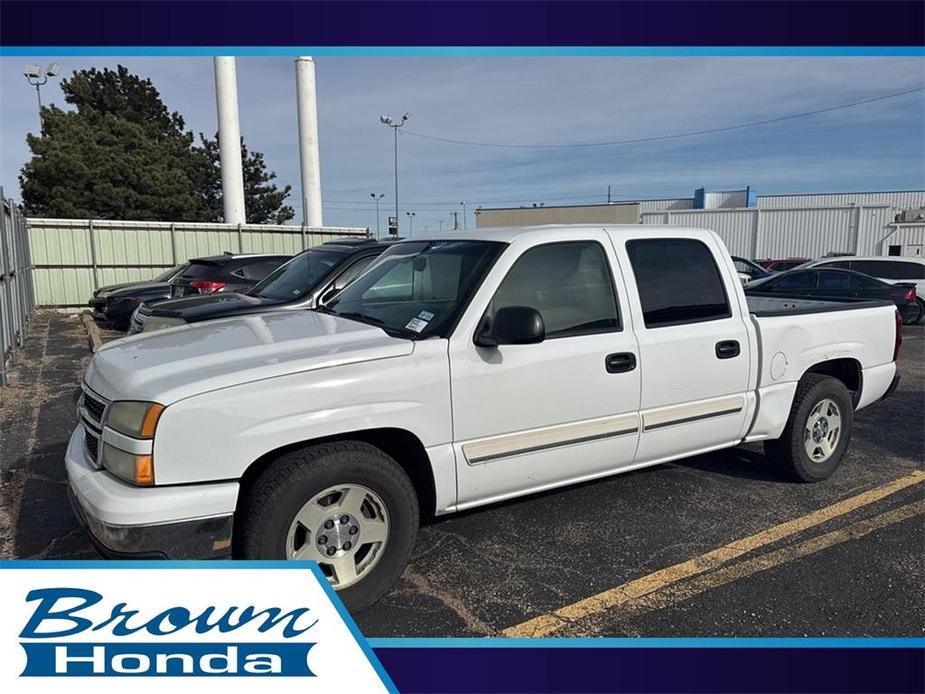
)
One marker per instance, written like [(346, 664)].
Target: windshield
[(417, 289), (171, 273), (298, 276)]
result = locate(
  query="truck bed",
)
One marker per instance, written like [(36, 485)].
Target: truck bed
[(766, 305)]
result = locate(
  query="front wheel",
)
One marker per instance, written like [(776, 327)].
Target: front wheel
[(817, 434), (346, 505)]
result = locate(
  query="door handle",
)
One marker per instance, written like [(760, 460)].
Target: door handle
[(727, 349), (620, 362)]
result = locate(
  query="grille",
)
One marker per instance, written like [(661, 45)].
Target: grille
[(94, 407), (93, 446)]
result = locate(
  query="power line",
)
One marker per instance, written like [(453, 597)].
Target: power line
[(673, 136)]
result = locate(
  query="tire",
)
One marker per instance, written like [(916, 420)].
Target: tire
[(913, 312), (288, 511), (790, 450)]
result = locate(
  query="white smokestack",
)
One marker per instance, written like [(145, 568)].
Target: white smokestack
[(229, 138), (309, 158)]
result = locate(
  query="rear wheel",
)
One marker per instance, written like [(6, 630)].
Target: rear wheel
[(817, 434), (913, 312), (346, 505)]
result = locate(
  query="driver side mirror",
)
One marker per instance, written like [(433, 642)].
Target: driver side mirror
[(511, 325)]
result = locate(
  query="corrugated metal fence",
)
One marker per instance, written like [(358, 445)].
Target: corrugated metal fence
[(755, 232), (16, 296), (73, 257)]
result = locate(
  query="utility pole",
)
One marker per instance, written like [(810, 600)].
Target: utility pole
[(229, 141), (386, 120), (608, 194), (440, 222), (309, 158), (465, 224), (377, 198), (410, 223), (455, 219)]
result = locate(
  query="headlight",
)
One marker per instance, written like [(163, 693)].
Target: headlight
[(135, 419), (137, 469), (160, 323)]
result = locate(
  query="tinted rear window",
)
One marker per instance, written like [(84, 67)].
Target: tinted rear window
[(198, 269), (678, 282)]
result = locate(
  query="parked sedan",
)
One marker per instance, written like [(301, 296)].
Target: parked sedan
[(301, 283), (115, 303), (891, 269), (824, 282)]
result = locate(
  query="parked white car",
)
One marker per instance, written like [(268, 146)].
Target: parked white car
[(887, 268), (459, 371)]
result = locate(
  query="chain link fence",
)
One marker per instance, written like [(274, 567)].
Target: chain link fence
[(17, 295)]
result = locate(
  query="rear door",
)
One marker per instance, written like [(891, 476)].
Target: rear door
[(693, 344)]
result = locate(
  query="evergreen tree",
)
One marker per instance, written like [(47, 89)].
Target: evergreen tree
[(121, 154)]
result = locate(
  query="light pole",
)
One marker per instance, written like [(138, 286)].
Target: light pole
[(463, 203), (440, 222), (386, 120), (377, 198), (37, 79), (410, 223)]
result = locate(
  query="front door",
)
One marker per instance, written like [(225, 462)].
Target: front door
[(532, 416)]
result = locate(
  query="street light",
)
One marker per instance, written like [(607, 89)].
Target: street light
[(386, 120), (377, 198), (37, 79), (410, 223), (463, 203)]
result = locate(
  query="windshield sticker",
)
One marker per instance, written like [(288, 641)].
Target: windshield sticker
[(416, 324), (426, 316)]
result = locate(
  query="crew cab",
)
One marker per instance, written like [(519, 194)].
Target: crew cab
[(457, 371)]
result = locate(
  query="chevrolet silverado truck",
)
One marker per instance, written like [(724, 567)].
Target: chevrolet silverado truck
[(459, 371)]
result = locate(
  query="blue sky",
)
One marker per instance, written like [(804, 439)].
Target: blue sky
[(540, 100)]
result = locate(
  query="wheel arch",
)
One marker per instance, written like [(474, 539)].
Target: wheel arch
[(400, 444), (845, 369)]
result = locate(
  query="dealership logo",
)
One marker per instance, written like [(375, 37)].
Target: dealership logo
[(205, 620), (59, 614)]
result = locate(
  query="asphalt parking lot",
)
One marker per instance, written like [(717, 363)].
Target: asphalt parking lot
[(717, 545)]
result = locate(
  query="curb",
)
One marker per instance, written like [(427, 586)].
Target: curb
[(93, 330)]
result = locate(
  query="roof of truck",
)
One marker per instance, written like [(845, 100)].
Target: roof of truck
[(509, 234)]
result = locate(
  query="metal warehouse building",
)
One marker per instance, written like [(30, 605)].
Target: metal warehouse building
[(761, 226)]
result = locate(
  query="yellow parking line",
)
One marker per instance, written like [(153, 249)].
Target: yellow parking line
[(686, 590), (548, 624)]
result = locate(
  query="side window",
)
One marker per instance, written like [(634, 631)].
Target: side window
[(840, 264), (834, 280), (258, 270), (678, 282), (568, 283), (796, 282), (891, 270), (352, 272)]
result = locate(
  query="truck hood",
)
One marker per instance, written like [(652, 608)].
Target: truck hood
[(169, 365)]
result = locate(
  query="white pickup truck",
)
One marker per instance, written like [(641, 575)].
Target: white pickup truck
[(459, 371)]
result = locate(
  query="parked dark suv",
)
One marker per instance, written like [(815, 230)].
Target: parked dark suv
[(229, 272), (302, 283), (115, 303)]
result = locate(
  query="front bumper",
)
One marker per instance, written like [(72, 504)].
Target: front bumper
[(186, 522)]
